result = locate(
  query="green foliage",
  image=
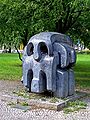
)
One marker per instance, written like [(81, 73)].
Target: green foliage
[(27, 18), (54, 100), (20, 19), (21, 93)]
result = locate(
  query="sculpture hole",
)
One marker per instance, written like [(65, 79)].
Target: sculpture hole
[(43, 48), (43, 80), (59, 65), (29, 79), (30, 49)]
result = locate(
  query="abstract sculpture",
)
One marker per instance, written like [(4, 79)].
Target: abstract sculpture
[(47, 64)]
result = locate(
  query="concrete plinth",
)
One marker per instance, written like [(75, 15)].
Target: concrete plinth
[(42, 103)]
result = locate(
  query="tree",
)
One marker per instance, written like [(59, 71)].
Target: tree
[(75, 20), (20, 19), (28, 17)]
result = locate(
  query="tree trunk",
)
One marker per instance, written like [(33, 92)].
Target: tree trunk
[(59, 26), (18, 53), (9, 48), (25, 37), (24, 41)]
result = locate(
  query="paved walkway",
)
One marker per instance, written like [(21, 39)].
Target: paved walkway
[(8, 113)]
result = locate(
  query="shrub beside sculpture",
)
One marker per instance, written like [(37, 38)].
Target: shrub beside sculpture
[(48, 59)]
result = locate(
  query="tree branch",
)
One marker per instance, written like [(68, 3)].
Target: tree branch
[(18, 53), (66, 18)]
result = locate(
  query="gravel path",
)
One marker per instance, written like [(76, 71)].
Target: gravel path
[(8, 113)]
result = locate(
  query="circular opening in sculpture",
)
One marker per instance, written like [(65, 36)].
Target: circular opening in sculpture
[(30, 49), (43, 48)]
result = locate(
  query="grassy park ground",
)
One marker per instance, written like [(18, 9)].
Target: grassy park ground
[(82, 70), (11, 68)]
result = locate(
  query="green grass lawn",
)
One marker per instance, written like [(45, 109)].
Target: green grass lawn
[(82, 70), (11, 68)]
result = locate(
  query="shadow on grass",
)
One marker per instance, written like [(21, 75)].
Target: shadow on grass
[(17, 65)]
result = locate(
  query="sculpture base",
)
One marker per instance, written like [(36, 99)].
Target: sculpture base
[(51, 103)]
